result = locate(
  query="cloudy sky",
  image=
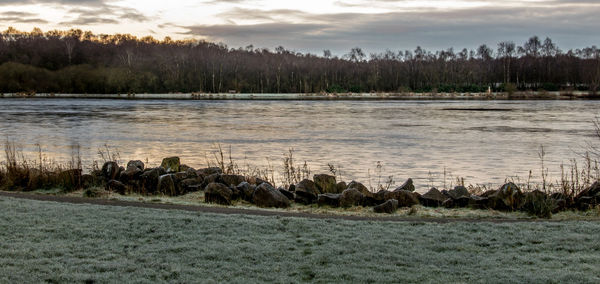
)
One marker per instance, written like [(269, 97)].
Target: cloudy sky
[(314, 25)]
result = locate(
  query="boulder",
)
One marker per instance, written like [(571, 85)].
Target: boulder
[(351, 197), (325, 183), (218, 193), (191, 173), (136, 163), (246, 190), (460, 202), (389, 207), (478, 202), (130, 174), (171, 164), (593, 190), (405, 198), (149, 180), (306, 192), (330, 199), (116, 186), (189, 185), (110, 170), (70, 180), (508, 198), (407, 185), (433, 198), (166, 185), (340, 187), (89, 180), (290, 195), (232, 180), (208, 171), (458, 192), (257, 181), (361, 188), (266, 195)]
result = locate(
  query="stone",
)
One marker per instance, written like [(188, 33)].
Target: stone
[(110, 170), (407, 185), (232, 180), (361, 188), (340, 187), (171, 164), (458, 192), (136, 163), (70, 180), (149, 180), (389, 207), (351, 197), (208, 171), (405, 198), (218, 193), (433, 198), (130, 174), (116, 186), (166, 185), (290, 195), (325, 183), (506, 198), (306, 192), (246, 190), (266, 195), (329, 199), (593, 190), (189, 185), (534, 199)]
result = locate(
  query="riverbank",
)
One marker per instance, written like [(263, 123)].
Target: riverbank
[(530, 95), (96, 244)]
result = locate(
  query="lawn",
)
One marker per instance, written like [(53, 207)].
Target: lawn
[(55, 242)]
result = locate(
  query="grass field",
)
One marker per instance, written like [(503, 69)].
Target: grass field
[(54, 242)]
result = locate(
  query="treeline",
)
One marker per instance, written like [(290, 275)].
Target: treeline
[(81, 62)]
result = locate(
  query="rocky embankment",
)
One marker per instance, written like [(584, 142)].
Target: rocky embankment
[(172, 179)]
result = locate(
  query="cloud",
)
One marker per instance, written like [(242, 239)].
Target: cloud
[(21, 17), (572, 25), (60, 2), (104, 14)]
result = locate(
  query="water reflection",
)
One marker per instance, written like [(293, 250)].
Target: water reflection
[(411, 138)]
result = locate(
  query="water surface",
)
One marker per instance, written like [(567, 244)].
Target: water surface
[(481, 141)]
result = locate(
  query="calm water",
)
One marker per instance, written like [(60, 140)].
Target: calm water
[(415, 139)]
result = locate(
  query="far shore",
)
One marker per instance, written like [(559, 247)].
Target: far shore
[(526, 95)]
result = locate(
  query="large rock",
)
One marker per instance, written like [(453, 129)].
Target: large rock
[(592, 191), (340, 187), (116, 186), (110, 170), (70, 180), (130, 174), (290, 195), (407, 185), (208, 171), (389, 207), (218, 193), (246, 190), (330, 199), (306, 192), (351, 197), (189, 185), (405, 198), (136, 163), (166, 185), (266, 195), (232, 180), (433, 198), (325, 183), (458, 192), (361, 188), (171, 164), (149, 180), (508, 198)]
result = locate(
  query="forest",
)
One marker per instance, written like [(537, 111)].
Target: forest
[(77, 61)]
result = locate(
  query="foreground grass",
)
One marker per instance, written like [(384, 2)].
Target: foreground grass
[(46, 241)]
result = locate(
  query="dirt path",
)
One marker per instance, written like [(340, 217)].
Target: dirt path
[(256, 212)]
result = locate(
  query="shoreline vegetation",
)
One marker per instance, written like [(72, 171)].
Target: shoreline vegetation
[(521, 95), (294, 187)]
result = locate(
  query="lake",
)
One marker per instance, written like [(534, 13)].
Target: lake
[(485, 142)]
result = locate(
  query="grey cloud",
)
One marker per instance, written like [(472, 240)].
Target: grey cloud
[(17, 14), (105, 14), (60, 2), (570, 26), (22, 20)]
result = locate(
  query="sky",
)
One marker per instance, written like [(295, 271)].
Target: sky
[(315, 25)]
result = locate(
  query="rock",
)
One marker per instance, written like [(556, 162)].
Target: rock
[(166, 185), (537, 200), (508, 198), (325, 183), (460, 202), (171, 164), (149, 180), (593, 190), (70, 180), (116, 186), (405, 198), (130, 174), (290, 195), (246, 190), (389, 207), (88, 181), (292, 188), (407, 185), (351, 197), (184, 168), (232, 180), (218, 193), (189, 185), (330, 199), (257, 181), (208, 171), (191, 173), (433, 198), (210, 179), (136, 163), (458, 192), (478, 202), (110, 170), (340, 187), (361, 188), (306, 192), (266, 195)]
